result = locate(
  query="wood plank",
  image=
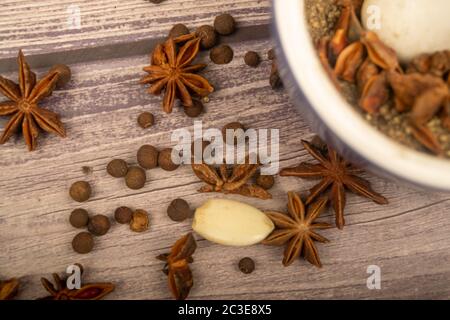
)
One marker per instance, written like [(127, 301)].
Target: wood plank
[(43, 27), (408, 239)]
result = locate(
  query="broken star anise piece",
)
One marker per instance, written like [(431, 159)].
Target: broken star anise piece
[(23, 107), (177, 266), (90, 291), (425, 95), (337, 175), (219, 180), (172, 71), (298, 230), (9, 289)]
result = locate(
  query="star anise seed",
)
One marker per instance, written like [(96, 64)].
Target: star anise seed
[(23, 106), (172, 71), (298, 230), (90, 291), (9, 289), (177, 266), (337, 175), (219, 180)]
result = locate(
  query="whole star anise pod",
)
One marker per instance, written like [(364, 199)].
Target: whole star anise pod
[(177, 266), (337, 175), (298, 230), (9, 289), (90, 291), (171, 70), (23, 106), (220, 180)]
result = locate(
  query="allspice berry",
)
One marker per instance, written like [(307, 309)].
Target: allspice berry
[(208, 36), (224, 24), (117, 168), (64, 74), (179, 210), (147, 156), (123, 215), (99, 225), (265, 181), (246, 265), (222, 54), (165, 160), (139, 221), (135, 178), (252, 59), (195, 110), (80, 191), (178, 30), (83, 242), (79, 218), (146, 120)]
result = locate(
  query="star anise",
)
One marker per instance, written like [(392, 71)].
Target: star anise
[(9, 289), (220, 180), (90, 291), (23, 107), (425, 95), (298, 230), (171, 70), (177, 266), (337, 175)]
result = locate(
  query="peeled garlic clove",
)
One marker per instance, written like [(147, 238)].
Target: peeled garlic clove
[(410, 27), (231, 223)]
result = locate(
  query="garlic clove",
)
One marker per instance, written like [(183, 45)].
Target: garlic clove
[(410, 27), (231, 223)]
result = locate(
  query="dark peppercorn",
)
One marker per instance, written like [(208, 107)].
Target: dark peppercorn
[(195, 110), (86, 169), (80, 191), (79, 218), (117, 168), (146, 120), (83, 242), (265, 181), (179, 210), (123, 215), (65, 74), (271, 55), (252, 59), (99, 225), (208, 36), (147, 157), (165, 160), (246, 265), (135, 178), (224, 24), (178, 30), (232, 126), (222, 54)]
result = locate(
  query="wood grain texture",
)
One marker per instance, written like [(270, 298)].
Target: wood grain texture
[(408, 239)]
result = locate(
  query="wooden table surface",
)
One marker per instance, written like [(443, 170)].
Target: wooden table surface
[(409, 239)]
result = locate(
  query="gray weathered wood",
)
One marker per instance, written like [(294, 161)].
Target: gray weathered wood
[(408, 239)]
